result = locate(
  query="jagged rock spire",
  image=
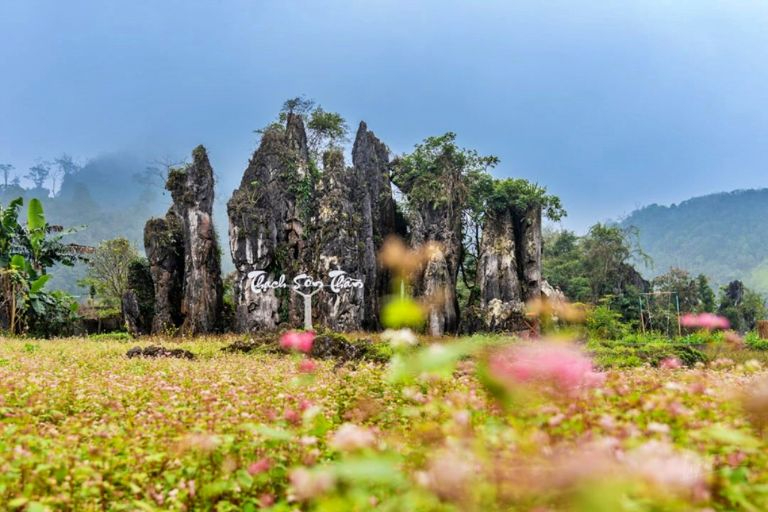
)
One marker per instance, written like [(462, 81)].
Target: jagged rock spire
[(184, 255), (266, 223), (370, 158)]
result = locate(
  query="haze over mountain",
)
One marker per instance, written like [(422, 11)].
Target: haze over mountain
[(724, 236)]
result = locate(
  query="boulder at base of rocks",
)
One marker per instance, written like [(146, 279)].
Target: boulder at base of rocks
[(157, 351), (325, 346)]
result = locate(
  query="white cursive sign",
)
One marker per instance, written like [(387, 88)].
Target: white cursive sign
[(303, 284)]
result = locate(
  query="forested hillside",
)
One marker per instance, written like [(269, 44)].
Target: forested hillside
[(109, 196), (724, 236)]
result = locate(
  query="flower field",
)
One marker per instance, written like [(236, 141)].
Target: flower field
[(442, 427)]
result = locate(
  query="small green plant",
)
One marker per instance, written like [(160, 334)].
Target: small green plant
[(111, 336), (753, 341), (604, 323)]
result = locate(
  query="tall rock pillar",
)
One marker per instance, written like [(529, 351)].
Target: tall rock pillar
[(266, 225), (370, 158), (192, 192), (183, 253), (509, 267)]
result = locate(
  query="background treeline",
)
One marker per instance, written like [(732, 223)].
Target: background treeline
[(601, 268)]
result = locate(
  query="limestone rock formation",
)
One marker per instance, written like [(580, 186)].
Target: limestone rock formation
[(130, 308), (337, 251), (370, 158), (164, 245), (288, 217), (509, 267), (183, 253), (267, 216), (202, 291), (440, 226)]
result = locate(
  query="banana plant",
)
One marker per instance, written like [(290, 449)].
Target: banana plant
[(36, 233), (26, 251)]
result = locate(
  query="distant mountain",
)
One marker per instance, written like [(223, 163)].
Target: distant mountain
[(724, 236), (105, 200)]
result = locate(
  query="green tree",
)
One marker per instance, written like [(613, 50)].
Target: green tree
[(326, 130), (741, 306), (108, 270), (6, 169), (38, 174), (608, 251), (706, 295), (563, 265), (680, 283)]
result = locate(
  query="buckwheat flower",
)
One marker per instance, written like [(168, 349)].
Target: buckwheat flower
[(292, 416), (266, 500), (670, 363), (658, 428), (297, 340), (400, 338), (754, 401), (660, 463), (307, 484), (307, 366), (449, 475), (707, 321), (723, 362), (350, 437), (734, 340), (563, 367), (199, 442), (259, 466)]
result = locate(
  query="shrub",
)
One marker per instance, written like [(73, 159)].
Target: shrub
[(53, 314), (755, 342), (604, 323), (627, 354)]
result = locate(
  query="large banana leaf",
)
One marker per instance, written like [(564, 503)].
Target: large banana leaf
[(37, 285), (35, 215)]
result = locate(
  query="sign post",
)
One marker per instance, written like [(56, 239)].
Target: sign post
[(308, 313)]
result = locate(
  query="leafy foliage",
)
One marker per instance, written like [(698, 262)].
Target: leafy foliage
[(108, 269), (596, 266), (26, 252), (741, 306), (439, 173)]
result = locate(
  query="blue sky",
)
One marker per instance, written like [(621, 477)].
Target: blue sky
[(611, 105)]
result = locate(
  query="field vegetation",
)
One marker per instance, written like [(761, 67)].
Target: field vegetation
[(486, 423)]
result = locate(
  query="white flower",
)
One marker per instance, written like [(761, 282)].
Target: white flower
[(350, 437), (400, 338)]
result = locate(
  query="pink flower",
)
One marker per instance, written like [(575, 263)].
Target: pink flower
[(307, 366), (307, 484), (562, 366), (292, 416), (661, 463), (259, 466), (297, 340), (707, 321), (351, 437), (670, 363)]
